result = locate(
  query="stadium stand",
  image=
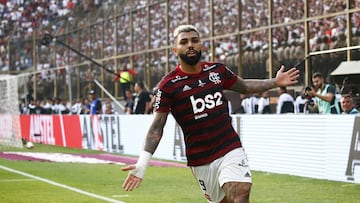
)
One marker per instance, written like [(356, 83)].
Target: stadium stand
[(107, 29)]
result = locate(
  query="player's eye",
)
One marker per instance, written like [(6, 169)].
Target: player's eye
[(183, 41), (195, 40)]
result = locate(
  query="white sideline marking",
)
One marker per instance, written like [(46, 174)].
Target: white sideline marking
[(120, 196), (61, 185), (16, 180), (66, 158)]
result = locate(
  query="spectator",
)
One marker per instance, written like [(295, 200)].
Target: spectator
[(254, 103), (325, 99), (347, 105), (129, 105), (106, 107), (310, 101), (264, 103), (76, 107), (109, 109), (246, 104), (125, 80), (32, 106), (59, 107), (338, 99), (95, 107), (300, 101), (48, 106), (22, 108), (142, 99), (285, 102), (86, 106)]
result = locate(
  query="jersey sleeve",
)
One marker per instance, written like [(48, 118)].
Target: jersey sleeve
[(162, 100), (230, 78)]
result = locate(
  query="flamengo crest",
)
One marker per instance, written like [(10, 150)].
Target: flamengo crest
[(214, 77)]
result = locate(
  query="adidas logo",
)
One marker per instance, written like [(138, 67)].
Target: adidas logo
[(186, 88), (247, 174)]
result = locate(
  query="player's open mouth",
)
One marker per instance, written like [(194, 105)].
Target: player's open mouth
[(191, 53)]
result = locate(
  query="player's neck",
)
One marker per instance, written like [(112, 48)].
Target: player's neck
[(190, 69)]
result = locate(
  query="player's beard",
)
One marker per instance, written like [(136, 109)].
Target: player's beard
[(191, 60)]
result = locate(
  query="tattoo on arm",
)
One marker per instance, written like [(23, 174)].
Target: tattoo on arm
[(253, 85), (155, 132)]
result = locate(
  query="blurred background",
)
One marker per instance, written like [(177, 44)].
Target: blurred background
[(252, 37)]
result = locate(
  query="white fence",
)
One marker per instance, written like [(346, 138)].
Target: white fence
[(315, 146)]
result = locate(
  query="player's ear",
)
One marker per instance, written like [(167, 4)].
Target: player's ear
[(174, 50), (202, 46)]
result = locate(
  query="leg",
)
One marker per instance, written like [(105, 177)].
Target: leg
[(237, 192), (224, 200)]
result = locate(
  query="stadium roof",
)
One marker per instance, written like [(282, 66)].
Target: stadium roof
[(347, 68)]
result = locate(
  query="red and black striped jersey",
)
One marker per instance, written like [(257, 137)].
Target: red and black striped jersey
[(198, 105)]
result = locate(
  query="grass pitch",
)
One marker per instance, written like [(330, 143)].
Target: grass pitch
[(78, 182)]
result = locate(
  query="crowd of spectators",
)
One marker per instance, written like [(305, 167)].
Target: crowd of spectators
[(289, 102), (138, 102), (59, 106), (20, 19)]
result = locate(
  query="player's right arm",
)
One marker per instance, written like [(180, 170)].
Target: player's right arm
[(137, 171)]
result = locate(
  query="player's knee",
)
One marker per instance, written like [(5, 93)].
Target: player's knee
[(241, 198), (237, 192)]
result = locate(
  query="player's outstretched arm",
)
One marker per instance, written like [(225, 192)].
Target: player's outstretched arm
[(137, 171), (283, 78)]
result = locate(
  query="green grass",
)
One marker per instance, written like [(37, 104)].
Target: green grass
[(160, 184)]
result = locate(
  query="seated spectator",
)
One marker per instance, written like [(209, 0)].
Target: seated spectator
[(347, 105), (285, 102), (300, 101), (59, 107), (48, 106), (108, 105), (264, 103), (108, 109), (76, 107), (246, 104), (250, 104), (254, 102), (32, 107)]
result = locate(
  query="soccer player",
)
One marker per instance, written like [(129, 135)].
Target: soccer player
[(193, 93)]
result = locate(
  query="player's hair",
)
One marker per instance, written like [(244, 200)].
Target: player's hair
[(185, 28)]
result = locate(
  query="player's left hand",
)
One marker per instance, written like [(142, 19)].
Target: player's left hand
[(131, 181), (286, 78)]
